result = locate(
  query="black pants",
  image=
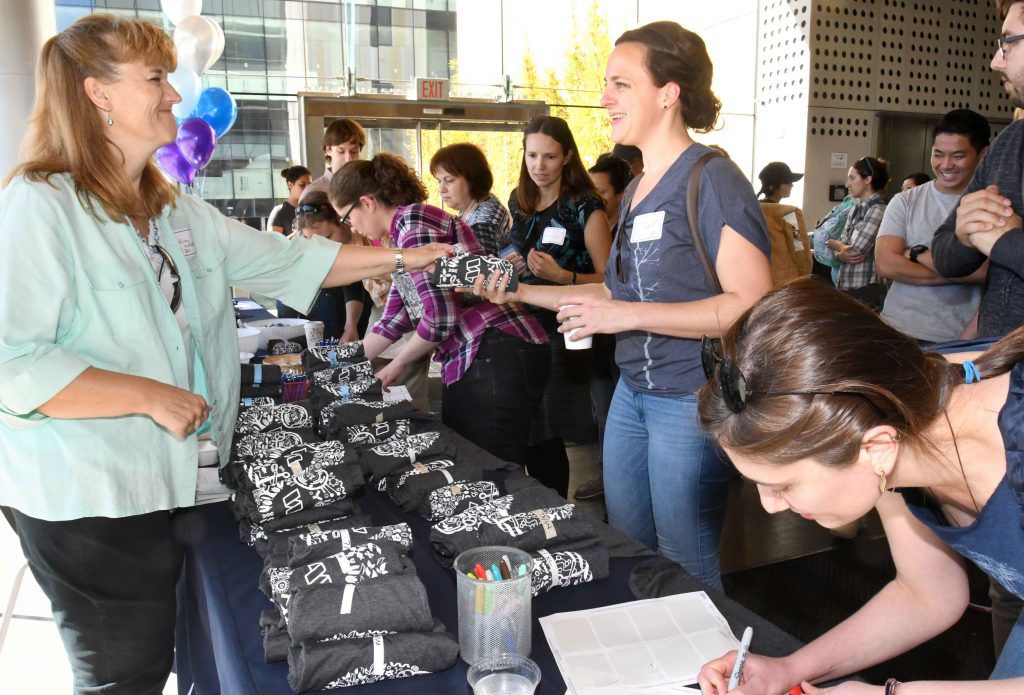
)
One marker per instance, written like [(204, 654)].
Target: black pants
[(111, 586), (493, 403)]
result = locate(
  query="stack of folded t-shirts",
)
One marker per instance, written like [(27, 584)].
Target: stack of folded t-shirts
[(563, 542), (275, 465), (325, 356), (383, 459), (313, 488), (260, 380), (260, 447)]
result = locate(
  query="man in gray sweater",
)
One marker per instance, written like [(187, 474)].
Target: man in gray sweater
[(987, 222)]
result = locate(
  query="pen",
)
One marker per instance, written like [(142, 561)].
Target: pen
[(741, 657)]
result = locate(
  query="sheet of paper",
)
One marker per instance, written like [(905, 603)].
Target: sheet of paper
[(652, 647), (397, 393)]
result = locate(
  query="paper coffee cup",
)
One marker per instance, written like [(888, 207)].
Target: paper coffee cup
[(582, 343), (314, 333)]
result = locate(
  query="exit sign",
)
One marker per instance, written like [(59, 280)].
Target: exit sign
[(430, 88)]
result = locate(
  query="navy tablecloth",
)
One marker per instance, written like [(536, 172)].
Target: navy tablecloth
[(219, 648)]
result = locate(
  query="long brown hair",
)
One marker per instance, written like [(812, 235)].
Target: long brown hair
[(386, 177), (65, 133), (575, 182), (809, 337)]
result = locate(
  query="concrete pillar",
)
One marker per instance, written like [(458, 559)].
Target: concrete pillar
[(26, 26)]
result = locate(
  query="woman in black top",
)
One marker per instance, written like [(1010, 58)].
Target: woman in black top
[(281, 217), (555, 230)]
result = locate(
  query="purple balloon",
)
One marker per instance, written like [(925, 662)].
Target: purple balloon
[(196, 141), (174, 164)]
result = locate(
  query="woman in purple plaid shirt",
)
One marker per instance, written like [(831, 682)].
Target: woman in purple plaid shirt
[(494, 358)]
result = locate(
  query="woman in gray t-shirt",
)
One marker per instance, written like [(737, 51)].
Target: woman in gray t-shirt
[(664, 482)]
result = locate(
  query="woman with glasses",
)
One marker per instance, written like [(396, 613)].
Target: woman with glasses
[(564, 243), (934, 446), (118, 343), (493, 358), (664, 482), (855, 248), (344, 310), (282, 217)]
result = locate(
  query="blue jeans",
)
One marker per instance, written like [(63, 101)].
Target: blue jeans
[(1011, 659), (665, 483)]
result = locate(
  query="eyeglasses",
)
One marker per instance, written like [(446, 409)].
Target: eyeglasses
[(733, 385), (175, 277), (344, 219), (1003, 41)]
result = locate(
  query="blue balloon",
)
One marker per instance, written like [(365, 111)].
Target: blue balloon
[(218, 108)]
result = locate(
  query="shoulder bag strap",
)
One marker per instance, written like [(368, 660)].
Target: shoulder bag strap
[(692, 199)]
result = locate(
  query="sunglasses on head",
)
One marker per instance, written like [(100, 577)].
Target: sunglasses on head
[(733, 385), (311, 209)]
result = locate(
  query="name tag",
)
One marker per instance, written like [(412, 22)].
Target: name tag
[(553, 235), (647, 227), (185, 241)]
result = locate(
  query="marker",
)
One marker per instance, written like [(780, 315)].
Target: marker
[(796, 690), (522, 570), (470, 575), (505, 572), (496, 572), (741, 658), (489, 576), (479, 570)]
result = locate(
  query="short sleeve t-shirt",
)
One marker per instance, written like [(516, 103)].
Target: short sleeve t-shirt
[(937, 313), (660, 264)]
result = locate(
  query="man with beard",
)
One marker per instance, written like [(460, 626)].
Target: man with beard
[(922, 303), (987, 223)]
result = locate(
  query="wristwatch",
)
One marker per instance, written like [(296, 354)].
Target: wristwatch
[(399, 261), (916, 251)]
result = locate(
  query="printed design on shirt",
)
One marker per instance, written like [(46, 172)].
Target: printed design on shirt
[(259, 419), (400, 534), (284, 347), (562, 568), (422, 468), (376, 432), (351, 566), (342, 352), (314, 487), (406, 288), (472, 518), (358, 634), (409, 446), (366, 674), (265, 446), (287, 463), (354, 388), (1007, 575), (252, 401), (346, 374), (445, 501), (518, 524)]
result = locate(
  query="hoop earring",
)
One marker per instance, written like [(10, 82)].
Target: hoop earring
[(881, 482)]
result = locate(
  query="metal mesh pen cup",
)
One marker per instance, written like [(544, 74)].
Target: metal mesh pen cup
[(494, 616)]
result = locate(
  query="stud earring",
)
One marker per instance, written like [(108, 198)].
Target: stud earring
[(110, 121)]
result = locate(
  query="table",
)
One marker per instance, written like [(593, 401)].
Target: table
[(219, 646)]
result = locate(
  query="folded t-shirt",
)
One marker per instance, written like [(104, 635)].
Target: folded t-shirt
[(336, 414), (454, 498), (299, 415), (312, 488), (409, 485), (356, 661), (316, 358), (553, 569), (277, 466), (394, 602), (369, 389), (276, 541), (356, 372), (379, 461), (375, 433), (304, 548), (338, 508)]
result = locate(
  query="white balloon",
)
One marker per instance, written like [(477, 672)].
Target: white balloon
[(200, 42), (189, 86), (177, 10)]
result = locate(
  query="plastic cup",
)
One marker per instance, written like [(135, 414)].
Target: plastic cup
[(314, 333), (494, 616), (504, 674), (582, 343)]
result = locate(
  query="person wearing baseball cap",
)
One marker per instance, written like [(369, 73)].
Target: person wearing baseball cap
[(777, 181)]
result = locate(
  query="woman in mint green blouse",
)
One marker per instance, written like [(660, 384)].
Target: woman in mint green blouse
[(117, 342)]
